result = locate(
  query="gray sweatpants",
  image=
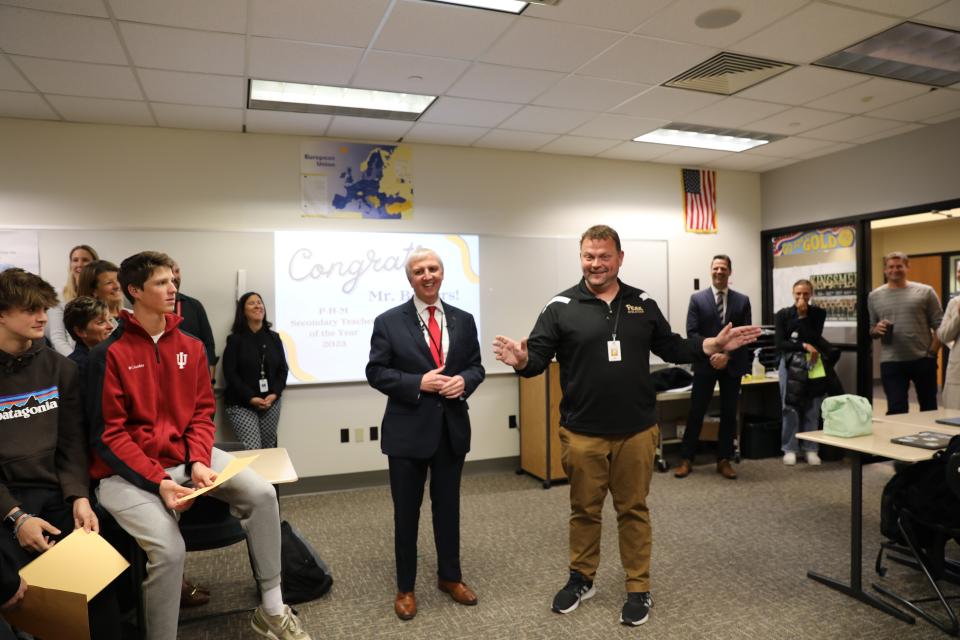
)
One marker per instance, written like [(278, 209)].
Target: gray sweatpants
[(142, 515)]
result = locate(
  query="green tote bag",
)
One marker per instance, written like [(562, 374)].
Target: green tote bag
[(847, 416)]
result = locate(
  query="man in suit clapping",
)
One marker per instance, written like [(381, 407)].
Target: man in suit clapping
[(710, 310)]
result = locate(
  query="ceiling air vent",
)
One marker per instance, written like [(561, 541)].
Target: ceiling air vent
[(727, 73)]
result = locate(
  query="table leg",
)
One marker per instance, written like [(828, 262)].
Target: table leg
[(855, 588)]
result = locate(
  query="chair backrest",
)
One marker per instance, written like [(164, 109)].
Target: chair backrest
[(953, 473)]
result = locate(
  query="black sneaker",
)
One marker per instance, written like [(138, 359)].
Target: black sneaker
[(636, 610), (577, 589)]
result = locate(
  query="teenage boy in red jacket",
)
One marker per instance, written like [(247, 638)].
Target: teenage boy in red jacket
[(151, 418)]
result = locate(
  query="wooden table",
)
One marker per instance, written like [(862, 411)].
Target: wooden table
[(876, 444)]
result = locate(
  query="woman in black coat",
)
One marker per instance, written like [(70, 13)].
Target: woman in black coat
[(799, 339), (255, 368)]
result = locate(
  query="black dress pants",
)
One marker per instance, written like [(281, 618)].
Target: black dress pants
[(700, 395), (407, 478)]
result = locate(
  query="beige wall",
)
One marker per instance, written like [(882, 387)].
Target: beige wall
[(95, 178)]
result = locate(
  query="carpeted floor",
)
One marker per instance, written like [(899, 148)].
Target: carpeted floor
[(730, 561)]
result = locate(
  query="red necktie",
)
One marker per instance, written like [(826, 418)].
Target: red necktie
[(435, 337)]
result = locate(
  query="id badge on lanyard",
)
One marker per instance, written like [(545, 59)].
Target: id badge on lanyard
[(264, 385), (614, 353)]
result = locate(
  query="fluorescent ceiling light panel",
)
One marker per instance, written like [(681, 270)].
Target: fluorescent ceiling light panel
[(339, 101), (909, 51), (507, 6), (688, 135)]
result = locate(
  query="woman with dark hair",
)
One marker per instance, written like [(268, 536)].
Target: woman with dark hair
[(799, 339), (255, 368), (80, 256), (99, 280)]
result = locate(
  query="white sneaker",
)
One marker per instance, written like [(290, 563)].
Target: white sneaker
[(283, 627), (812, 458), (789, 458)]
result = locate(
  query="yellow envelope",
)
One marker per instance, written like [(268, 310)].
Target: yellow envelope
[(236, 466)]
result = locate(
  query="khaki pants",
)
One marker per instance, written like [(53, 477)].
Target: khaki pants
[(624, 465)]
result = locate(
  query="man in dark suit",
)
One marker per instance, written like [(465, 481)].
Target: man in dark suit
[(425, 356), (710, 310)]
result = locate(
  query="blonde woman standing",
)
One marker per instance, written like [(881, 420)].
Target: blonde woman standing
[(80, 256)]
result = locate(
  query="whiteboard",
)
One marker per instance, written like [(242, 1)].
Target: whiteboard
[(517, 275)]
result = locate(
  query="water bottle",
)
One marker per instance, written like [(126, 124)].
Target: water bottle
[(759, 370)]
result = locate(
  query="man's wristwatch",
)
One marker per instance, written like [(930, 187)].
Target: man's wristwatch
[(11, 520)]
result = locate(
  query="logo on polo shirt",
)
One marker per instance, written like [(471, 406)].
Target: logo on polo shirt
[(631, 308), (24, 405)]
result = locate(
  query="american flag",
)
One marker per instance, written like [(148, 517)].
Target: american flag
[(700, 200)]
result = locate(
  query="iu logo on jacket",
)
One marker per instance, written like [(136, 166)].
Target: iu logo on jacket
[(181, 359)]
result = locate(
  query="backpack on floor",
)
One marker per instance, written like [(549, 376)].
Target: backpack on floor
[(304, 575)]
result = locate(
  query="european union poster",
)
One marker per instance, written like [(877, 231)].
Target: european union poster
[(352, 180)]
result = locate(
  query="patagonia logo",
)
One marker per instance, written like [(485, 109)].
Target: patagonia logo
[(24, 405), (631, 308)]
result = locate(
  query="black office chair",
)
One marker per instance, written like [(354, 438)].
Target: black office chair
[(925, 538)]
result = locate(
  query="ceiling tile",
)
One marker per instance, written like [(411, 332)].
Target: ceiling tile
[(79, 7), (273, 59), (922, 107), (516, 140), (546, 119), (802, 85), (889, 133), (903, 8), (740, 162), (947, 15), (477, 113), (852, 128), (835, 27), (124, 112), (193, 88), (10, 78), (554, 46), (350, 23), (667, 102), (80, 78), (619, 127), (303, 124), (54, 35), (789, 147), (777, 164), (661, 60), (579, 146), (692, 157), (408, 73), (181, 116), (589, 94), (442, 30), (510, 84), (428, 133), (184, 50), (943, 118), (733, 112), (834, 148), (873, 94), (209, 15), (794, 121), (637, 151), (619, 15), (678, 21), (367, 128), (16, 104)]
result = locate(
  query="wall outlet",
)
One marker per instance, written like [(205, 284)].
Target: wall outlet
[(511, 422)]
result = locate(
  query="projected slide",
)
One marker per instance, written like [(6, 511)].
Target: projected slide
[(331, 286)]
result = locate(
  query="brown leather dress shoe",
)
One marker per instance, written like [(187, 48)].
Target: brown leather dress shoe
[(460, 592), (405, 605), (725, 469), (193, 595), (683, 469)]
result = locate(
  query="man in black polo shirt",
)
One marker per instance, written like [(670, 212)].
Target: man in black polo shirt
[(602, 332), (195, 321)]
